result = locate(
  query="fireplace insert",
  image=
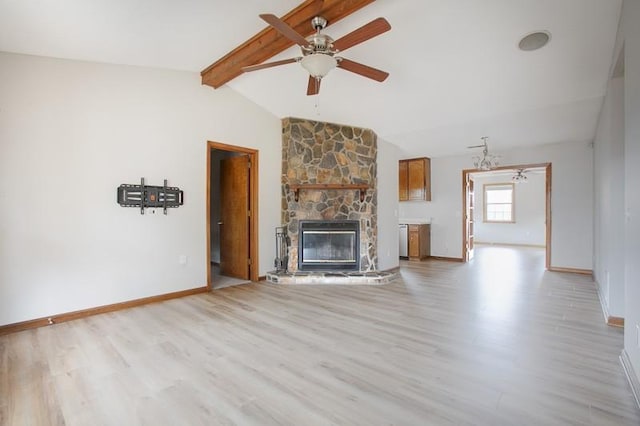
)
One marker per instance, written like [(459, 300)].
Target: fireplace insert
[(329, 245)]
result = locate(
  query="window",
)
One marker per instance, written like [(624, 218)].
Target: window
[(499, 204)]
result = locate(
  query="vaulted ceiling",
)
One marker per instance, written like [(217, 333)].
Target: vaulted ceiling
[(456, 72)]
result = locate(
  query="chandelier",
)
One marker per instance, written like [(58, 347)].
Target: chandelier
[(519, 177), (486, 161)]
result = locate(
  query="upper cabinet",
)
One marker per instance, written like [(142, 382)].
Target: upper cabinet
[(403, 181), (415, 179)]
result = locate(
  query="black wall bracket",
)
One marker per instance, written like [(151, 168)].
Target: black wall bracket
[(144, 196)]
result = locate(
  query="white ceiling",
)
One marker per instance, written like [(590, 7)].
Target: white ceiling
[(456, 73)]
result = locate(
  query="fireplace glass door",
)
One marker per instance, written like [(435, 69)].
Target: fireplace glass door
[(329, 245)]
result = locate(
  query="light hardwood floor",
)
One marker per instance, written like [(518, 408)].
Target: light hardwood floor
[(497, 341)]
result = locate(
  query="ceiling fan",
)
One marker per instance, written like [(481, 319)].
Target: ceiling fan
[(519, 176), (319, 51)]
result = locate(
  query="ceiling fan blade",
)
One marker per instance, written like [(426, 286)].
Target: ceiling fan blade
[(269, 64), (313, 88), (363, 70), (284, 29), (364, 33)]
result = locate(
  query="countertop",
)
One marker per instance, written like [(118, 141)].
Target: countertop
[(414, 222)]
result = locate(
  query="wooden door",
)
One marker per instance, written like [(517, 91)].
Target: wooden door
[(416, 180), (414, 242), (403, 185), (469, 216), (234, 223)]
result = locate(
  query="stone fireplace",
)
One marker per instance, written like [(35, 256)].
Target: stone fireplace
[(328, 175)]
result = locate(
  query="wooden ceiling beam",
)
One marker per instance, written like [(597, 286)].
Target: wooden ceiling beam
[(268, 42)]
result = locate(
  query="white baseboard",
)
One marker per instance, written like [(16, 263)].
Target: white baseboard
[(632, 377), (603, 302), (610, 320), (492, 243)]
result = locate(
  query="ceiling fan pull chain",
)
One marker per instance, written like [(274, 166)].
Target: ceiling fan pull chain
[(317, 97), (317, 104)]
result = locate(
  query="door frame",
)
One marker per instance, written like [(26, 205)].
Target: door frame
[(547, 167), (253, 209), (468, 223)]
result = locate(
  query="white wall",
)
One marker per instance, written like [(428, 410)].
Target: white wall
[(609, 200), (387, 166), (631, 32), (529, 202), (571, 201), (70, 133)]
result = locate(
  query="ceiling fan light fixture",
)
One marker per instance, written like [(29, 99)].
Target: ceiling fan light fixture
[(318, 65)]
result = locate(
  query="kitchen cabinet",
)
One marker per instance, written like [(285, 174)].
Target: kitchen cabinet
[(403, 190), (414, 179), (419, 241)]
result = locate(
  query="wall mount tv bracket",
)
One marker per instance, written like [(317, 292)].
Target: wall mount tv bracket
[(145, 196)]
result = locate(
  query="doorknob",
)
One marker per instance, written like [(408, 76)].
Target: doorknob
[(220, 223)]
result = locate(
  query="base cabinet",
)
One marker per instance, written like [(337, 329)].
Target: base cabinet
[(419, 241)]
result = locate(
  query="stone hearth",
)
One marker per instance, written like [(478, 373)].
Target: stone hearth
[(348, 278)]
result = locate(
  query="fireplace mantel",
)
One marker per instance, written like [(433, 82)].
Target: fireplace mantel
[(361, 187)]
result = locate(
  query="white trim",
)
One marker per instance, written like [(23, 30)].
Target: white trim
[(603, 303), (632, 378), (491, 243)]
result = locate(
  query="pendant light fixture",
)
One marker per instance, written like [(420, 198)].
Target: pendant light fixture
[(486, 161)]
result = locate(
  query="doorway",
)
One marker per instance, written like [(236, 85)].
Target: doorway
[(468, 237), (232, 215)]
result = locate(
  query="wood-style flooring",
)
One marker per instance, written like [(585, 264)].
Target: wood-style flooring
[(498, 341)]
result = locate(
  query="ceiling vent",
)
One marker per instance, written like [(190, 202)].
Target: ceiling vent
[(534, 41)]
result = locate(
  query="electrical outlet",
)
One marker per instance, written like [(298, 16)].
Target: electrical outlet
[(182, 259)]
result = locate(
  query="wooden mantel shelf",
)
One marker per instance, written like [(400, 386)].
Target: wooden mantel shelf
[(362, 187)]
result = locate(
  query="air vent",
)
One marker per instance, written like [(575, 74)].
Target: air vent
[(534, 41)]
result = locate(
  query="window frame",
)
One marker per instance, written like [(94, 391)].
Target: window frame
[(487, 187)]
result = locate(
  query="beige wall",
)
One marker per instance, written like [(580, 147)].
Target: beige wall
[(631, 37), (70, 133)]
